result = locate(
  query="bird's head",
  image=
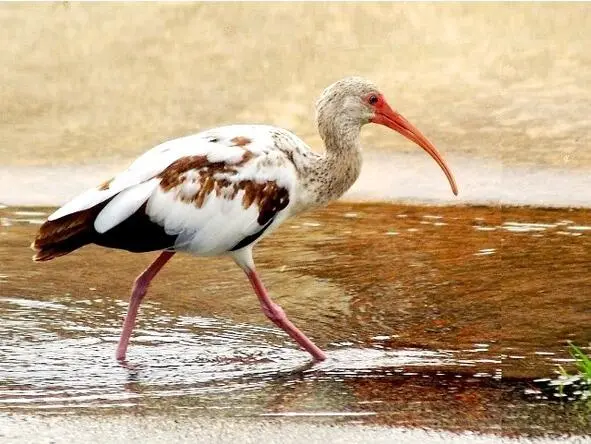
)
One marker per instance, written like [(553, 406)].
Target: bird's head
[(354, 101)]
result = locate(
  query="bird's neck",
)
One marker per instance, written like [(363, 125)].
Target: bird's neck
[(336, 171)]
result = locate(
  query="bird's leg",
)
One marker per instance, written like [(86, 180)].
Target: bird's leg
[(140, 287), (276, 314)]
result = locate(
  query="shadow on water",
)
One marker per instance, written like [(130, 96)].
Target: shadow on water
[(431, 316)]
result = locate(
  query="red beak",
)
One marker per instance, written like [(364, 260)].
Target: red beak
[(388, 117)]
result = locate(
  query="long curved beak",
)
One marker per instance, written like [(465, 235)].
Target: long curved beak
[(388, 117)]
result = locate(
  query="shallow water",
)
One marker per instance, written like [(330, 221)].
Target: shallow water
[(431, 316)]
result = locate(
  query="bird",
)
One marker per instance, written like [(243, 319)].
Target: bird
[(221, 191)]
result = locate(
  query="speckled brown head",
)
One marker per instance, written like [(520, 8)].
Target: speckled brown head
[(352, 102)]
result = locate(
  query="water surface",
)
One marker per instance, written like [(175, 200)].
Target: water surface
[(436, 317)]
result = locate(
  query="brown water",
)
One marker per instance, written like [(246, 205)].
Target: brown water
[(431, 316)]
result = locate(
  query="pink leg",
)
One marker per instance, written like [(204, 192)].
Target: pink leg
[(276, 314), (140, 287)]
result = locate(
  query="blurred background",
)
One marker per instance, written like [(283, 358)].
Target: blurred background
[(82, 83)]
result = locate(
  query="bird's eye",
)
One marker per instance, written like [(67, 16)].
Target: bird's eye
[(373, 99)]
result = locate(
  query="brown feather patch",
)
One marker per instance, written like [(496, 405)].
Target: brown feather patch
[(270, 199), (105, 185), (205, 176), (66, 234), (200, 172), (174, 176), (268, 196), (58, 237), (241, 141), (52, 232)]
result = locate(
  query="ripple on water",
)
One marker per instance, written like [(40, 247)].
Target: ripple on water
[(526, 227), (59, 355)]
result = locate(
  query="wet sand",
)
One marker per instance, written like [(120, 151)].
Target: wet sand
[(435, 317), (185, 429)]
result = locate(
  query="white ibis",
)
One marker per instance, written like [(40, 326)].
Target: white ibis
[(221, 191)]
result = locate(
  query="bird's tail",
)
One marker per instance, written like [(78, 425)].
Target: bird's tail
[(64, 235)]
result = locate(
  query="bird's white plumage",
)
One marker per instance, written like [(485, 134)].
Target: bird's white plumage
[(222, 219), (143, 168), (124, 205), (220, 223)]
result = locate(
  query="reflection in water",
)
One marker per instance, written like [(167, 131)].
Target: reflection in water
[(445, 323)]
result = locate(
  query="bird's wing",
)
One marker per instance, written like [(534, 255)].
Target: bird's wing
[(219, 144), (222, 206), (214, 190), (143, 169)]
